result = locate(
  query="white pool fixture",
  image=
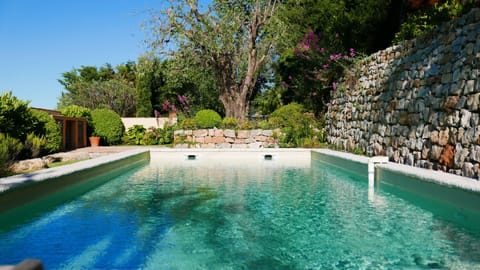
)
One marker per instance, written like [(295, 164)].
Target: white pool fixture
[(371, 169)]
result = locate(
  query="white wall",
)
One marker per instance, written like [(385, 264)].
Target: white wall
[(147, 122)]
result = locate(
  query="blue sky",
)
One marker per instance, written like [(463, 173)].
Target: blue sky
[(39, 40)]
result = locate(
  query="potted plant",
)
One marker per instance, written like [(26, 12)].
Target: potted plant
[(94, 140)]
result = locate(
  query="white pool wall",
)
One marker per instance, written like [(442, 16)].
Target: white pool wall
[(355, 164), (268, 157)]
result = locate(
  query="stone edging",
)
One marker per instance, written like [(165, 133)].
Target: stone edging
[(226, 138)]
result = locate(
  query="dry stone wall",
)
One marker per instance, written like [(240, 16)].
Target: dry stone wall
[(225, 138), (418, 102)]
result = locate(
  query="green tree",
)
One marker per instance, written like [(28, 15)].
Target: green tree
[(149, 79), (100, 88), (232, 39), (424, 17), (198, 85), (366, 25)]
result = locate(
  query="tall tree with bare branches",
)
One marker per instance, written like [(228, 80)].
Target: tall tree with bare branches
[(233, 40)]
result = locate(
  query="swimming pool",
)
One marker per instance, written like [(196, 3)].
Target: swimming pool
[(263, 215)]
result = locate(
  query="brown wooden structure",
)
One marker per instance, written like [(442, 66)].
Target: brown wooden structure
[(74, 130)]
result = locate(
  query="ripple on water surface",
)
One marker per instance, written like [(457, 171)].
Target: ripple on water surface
[(252, 218)]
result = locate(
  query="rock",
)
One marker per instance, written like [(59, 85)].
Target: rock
[(469, 87), (443, 137), (224, 145), (447, 156), (267, 133), (377, 149), (465, 119), (218, 133), (473, 102), (256, 145), (243, 134), (434, 137), (200, 133), (28, 165), (66, 156), (475, 153), (468, 170), (229, 133), (460, 155)]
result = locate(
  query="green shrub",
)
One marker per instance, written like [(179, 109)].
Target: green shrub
[(107, 125), (9, 149), (45, 126), (208, 119), (164, 135), (188, 123), (425, 20), (229, 122), (37, 131), (287, 115), (135, 135), (247, 125), (264, 124), (16, 117), (34, 146), (298, 127)]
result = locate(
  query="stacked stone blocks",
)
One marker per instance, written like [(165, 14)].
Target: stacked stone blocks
[(225, 138), (418, 102)]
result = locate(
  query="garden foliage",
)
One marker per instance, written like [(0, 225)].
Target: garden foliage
[(208, 119), (229, 122), (311, 71), (138, 135), (16, 117), (9, 149), (298, 127), (48, 133), (25, 133), (428, 18), (107, 125)]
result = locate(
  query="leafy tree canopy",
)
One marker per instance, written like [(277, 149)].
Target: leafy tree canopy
[(103, 87), (231, 39)]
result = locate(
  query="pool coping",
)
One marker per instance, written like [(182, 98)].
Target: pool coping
[(15, 181), (432, 176)]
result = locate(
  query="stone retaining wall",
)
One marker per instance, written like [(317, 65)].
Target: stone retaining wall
[(418, 103), (225, 138)]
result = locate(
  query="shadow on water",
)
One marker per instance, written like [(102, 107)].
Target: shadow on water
[(22, 204)]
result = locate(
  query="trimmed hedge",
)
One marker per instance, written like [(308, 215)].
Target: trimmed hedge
[(108, 125), (208, 119)]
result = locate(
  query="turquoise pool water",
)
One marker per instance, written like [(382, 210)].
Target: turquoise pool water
[(168, 217)]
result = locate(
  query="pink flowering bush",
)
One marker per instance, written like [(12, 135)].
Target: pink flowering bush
[(311, 72), (182, 103)]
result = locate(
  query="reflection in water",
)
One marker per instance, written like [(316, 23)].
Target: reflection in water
[(166, 216)]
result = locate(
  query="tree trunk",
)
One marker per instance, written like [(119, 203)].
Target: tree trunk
[(235, 106)]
